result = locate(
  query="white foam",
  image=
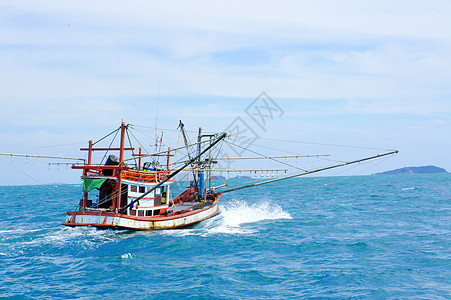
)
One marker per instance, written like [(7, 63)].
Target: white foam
[(177, 232), (127, 256), (409, 188), (89, 237), (231, 219), (238, 213)]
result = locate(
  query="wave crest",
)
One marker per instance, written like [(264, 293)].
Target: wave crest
[(237, 213), (240, 212)]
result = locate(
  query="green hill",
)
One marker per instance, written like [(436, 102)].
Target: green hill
[(415, 170)]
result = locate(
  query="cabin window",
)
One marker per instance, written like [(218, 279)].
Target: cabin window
[(124, 194), (164, 195), (156, 212), (133, 188), (148, 213), (142, 189), (133, 212), (141, 213)]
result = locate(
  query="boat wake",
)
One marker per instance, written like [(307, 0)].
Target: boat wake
[(235, 214), (28, 241), (240, 212), (236, 217), (88, 237)]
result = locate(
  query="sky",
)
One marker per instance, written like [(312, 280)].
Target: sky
[(372, 74)]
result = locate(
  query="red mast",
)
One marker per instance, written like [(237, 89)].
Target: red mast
[(117, 203), (85, 172), (139, 159)]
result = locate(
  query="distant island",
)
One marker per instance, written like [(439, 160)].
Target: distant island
[(414, 170)]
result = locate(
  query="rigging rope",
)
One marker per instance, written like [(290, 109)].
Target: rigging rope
[(106, 152), (324, 144), (117, 130), (339, 180), (382, 159), (131, 146), (142, 147), (284, 163)]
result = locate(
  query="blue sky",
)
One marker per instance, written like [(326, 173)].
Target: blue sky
[(365, 73)]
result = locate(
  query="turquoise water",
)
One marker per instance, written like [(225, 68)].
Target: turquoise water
[(360, 237)]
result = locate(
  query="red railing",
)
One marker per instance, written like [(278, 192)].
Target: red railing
[(145, 176)]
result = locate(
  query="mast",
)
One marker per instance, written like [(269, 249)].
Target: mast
[(139, 159), (204, 166), (221, 137), (167, 161), (117, 203), (95, 170), (200, 172), (199, 137), (209, 170), (185, 139), (85, 172)]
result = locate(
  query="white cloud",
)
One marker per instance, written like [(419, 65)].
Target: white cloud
[(440, 122), (325, 50)]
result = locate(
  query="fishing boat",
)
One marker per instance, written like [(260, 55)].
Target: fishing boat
[(131, 189), (138, 197)]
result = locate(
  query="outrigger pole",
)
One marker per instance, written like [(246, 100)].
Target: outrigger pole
[(223, 135), (40, 156), (271, 157), (310, 172)]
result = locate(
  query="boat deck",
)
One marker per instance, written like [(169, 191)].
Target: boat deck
[(188, 206)]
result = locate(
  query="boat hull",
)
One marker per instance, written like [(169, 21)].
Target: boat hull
[(105, 220)]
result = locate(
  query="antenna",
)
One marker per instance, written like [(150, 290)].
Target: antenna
[(156, 118)]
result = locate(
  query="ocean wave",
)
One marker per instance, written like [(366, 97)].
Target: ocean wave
[(240, 212), (408, 188)]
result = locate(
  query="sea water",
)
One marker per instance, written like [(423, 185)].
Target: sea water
[(360, 237)]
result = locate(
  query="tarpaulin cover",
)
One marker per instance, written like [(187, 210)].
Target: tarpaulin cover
[(92, 183)]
